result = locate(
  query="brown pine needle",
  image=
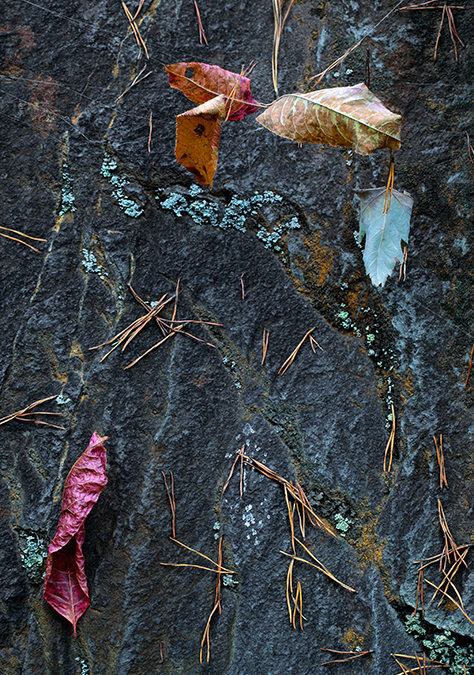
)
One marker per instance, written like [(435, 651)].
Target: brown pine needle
[(324, 569), (172, 501), (293, 354), (223, 569), (313, 342), (443, 481), (403, 265), (321, 569), (421, 668), (389, 188), (23, 415), (240, 455), (206, 638), (458, 604), (138, 9), (298, 601), (20, 241), (351, 655), (217, 598), (199, 567), (266, 336), (277, 31), (390, 444), (292, 491), (150, 129), (202, 34), (242, 287), (135, 30), (289, 587), (469, 369)]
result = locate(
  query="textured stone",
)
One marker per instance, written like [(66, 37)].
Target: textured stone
[(76, 171)]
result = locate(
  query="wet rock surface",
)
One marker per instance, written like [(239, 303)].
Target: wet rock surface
[(76, 171)]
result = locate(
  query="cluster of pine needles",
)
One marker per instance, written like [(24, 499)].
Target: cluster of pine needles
[(169, 327)]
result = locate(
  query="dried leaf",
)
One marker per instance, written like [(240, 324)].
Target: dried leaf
[(197, 138), (200, 82), (221, 95), (349, 117), (65, 584), (383, 232)]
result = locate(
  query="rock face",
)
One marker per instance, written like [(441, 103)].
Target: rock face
[(76, 171)]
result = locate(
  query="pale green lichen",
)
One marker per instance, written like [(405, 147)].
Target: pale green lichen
[(342, 524), (129, 206), (229, 581), (91, 264), (33, 553), (67, 196), (83, 665), (441, 646), (236, 215)]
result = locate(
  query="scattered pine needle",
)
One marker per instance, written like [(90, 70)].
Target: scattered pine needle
[(280, 21), (294, 353), (298, 606), (443, 481), (24, 415), (403, 265), (222, 570), (350, 655), (202, 34), (240, 455), (168, 328), (20, 241), (140, 5), (450, 560), (172, 501), (389, 188), (266, 336), (390, 445), (421, 668), (135, 30), (138, 78), (447, 11), (292, 491), (242, 287), (319, 565), (469, 368), (150, 129)]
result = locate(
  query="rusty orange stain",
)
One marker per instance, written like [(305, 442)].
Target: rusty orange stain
[(42, 110)]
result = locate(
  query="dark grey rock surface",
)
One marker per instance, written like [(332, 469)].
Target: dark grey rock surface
[(75, 170)]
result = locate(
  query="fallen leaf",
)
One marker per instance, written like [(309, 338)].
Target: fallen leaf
[(65, 584), (200, 82), (221, 95), (349, 117), (197, 138), (383, 232)]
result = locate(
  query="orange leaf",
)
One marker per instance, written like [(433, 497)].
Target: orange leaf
[(197, 138)]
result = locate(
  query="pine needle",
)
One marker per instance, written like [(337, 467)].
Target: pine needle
[(223, 569), (24, 414), (389, 188), (279, 24), (443, 481), (172, 501), (266, 337), (293, 354), (351, 655), (469, 369), (20, 241), (202, 34), (390, 445), (139, 40)]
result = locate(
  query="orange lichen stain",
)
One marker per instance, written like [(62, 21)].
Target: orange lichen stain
[(368, 546), (201, 381), (43, 113), (317, 269), (76, 350), (58, 222), (112, 120), (115, 70), (353, 639), (77, 114), (98, 206)]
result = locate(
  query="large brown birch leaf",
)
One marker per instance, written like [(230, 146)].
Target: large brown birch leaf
[(200, 82), (65, 584), (350, 117), (197, 138)]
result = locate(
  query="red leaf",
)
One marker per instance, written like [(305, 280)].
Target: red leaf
[(65, 584), (220, 95), (200, 82)]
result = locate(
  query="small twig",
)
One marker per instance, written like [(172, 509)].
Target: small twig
[(293, 354), (440, 457), (202, 34), (469, 369), (172, 501)]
